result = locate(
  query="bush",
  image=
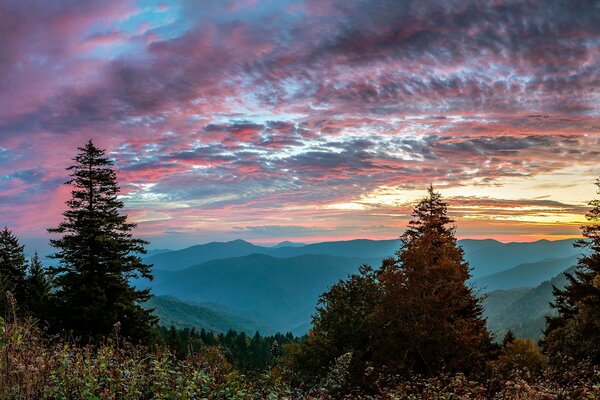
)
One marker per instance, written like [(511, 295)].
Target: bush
[(519, 357)]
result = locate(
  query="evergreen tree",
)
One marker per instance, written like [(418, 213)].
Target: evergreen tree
[(414, 314), (98, 256), (38, 289), (575, 331), (430, 318), (509, 337), (13, 267)]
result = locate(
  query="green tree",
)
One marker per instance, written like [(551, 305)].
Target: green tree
[(343, 324), (509, 337), (38, 289), (13, 267), (98, 256), (414, 314), (430, 319), (575, 331)]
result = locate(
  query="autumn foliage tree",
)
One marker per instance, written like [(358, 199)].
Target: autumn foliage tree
[(415, 314), (98, 256), (431, 319), (575, 331)]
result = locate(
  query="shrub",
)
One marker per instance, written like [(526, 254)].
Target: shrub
[(518, 357)]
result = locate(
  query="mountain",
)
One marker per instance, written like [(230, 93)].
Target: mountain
[(485, 256), (285, 290), (522, 310), (154, 252), (40, 245), (279, 286), (525, 275), (287, 243), (203, 252), (366, 248), (492, 258), (174, 312)]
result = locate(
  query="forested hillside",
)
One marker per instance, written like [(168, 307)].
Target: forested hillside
[(522, 310)]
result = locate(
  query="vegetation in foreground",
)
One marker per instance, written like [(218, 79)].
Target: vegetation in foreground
[(411, 329), (34, 367)]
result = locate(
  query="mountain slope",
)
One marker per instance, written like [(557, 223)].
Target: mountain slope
[(197, 254), (525, 275), (287, 243), (348, 248), (522, 310), (174, 312), (485, 256), (491, 259), (285, 290)]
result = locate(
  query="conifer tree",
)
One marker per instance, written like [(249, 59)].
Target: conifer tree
[(575, 331), (415, 313), (509, 337), (98, 256), (13, 267), (431, 319), (38, 289)]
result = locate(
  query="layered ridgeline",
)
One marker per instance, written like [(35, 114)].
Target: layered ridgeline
[(522, 310), (485, 256), (243, 286)]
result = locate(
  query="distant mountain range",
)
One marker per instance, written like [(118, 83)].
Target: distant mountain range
[(525, 275), (244, 286), (287, 243), (523, 310), (363, 248), (282, 290), (485, 256)]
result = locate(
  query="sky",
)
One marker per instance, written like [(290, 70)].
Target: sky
[(304, 120)]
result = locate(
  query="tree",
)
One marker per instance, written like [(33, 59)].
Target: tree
[(341, 325), (575, 331), (431, 320), (98, 256), (509, 337), (518, 355), (38, 289), (414, 314), (13, 267)]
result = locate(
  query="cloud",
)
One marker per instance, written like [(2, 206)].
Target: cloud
[(261, 111)]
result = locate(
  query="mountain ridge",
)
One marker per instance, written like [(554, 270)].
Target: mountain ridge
[(485, 256)]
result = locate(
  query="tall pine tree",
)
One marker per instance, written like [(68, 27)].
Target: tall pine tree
[(575, 331), (414, 314), (431, 320), (13, 267), (98, 256)]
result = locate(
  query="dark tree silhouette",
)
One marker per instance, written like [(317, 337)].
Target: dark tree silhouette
[(575, 331), (13, 267), (98, 256), (38, 289)]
